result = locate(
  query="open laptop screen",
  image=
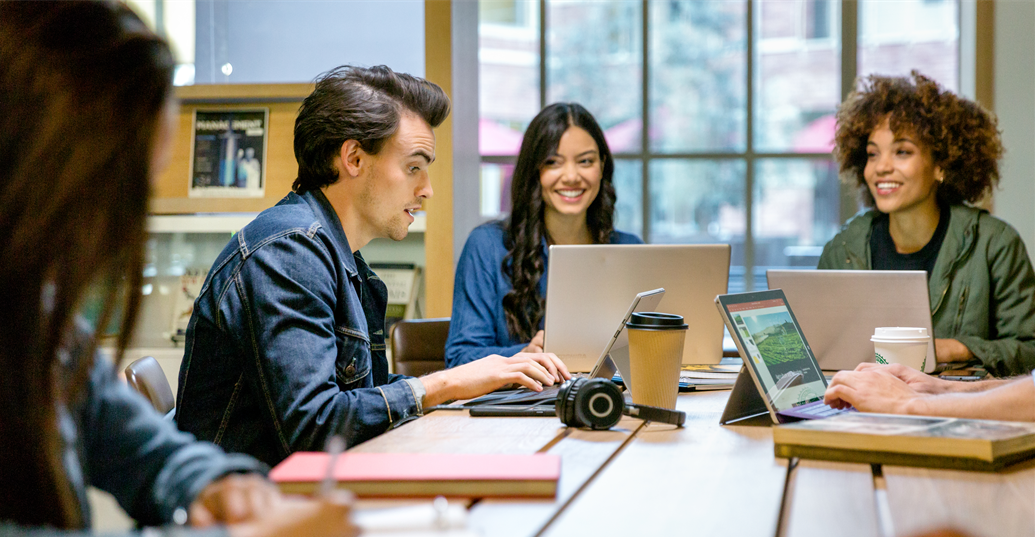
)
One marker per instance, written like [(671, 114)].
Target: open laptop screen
[(839, 336), (775, 348), (590, 285)]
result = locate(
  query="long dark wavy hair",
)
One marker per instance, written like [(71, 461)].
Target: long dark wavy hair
[(82, 89), (526, 227)]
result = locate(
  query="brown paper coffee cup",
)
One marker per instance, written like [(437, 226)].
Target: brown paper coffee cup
[(655, 358)]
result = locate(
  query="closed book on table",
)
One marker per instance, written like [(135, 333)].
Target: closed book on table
[(908, 441), (424, 474)]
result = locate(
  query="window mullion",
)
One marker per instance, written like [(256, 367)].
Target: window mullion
[(849, 70), (645, 121), (542, 54), (749, 169)]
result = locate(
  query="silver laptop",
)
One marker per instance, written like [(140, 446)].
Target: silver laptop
[(613, 359), (838, 309), (589, 287), (615, 356)]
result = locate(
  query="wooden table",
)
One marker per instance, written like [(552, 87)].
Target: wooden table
[(707, 479)]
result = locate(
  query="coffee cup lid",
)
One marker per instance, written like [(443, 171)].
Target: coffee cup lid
[(656, 321), (899, 332), (900, 340)]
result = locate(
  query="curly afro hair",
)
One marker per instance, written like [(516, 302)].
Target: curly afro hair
[(963, 137)]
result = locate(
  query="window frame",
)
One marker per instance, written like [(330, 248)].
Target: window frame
[(846, 13)]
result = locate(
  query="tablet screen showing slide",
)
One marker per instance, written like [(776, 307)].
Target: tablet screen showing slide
[(773, 347)]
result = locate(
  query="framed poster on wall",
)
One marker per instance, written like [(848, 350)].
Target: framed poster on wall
[(228, 153)]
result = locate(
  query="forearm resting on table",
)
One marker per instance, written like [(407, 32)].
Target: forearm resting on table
[(955, 386), (950, 351), (1010, 399)]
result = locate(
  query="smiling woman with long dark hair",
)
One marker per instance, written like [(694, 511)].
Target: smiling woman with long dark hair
[(562, 192), (919, 155)]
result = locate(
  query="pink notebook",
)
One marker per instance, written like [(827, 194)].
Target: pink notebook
[(424, 474)]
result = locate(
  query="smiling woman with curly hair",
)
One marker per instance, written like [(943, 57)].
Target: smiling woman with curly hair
[(919, 156)]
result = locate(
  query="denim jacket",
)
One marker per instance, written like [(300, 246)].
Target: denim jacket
[(115, 441), (478, 327), (286, 345)]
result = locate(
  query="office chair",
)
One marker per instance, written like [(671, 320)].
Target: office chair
[(419, 346), (146, 376)]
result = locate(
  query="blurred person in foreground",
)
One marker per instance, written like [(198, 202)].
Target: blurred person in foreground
[(86, 115), (898, 389)]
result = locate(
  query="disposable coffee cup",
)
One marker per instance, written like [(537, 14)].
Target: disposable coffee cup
[(655, 357), (901, 345)]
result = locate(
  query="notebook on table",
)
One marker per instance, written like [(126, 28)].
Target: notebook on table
[(390, 475), (839, 309), (895, 440), (780, 374)]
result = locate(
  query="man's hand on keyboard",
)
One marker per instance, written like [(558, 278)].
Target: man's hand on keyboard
[(480, 377), (917, 380), (872, 389)]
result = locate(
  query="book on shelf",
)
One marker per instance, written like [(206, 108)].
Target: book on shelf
[(403, 282), (908, 441), (424, 474)]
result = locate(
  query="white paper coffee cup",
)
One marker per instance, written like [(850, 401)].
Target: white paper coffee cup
[(901, 345)]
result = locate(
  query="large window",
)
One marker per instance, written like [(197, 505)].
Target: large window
[(263, 41), (720, 114)]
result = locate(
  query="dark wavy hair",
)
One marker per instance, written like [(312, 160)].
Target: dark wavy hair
[(82, 90), (357, 103), (526, 227), (963, 137)]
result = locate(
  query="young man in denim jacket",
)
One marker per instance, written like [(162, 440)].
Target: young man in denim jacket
[(286, 345)]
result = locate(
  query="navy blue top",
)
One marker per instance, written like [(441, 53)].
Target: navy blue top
[(478, 327)]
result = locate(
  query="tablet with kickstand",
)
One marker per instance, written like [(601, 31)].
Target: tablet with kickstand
[(780, 374)]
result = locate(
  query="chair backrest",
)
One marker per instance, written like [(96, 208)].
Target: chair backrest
[(146, 376), (419, 346)]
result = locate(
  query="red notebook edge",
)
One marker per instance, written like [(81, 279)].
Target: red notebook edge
[(424, 474)]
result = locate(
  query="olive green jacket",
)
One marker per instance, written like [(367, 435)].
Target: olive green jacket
[(982, 289)]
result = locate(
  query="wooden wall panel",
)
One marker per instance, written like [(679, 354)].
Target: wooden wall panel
[(438, 239)]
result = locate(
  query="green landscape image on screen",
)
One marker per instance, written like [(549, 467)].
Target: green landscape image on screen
[(776, 338)]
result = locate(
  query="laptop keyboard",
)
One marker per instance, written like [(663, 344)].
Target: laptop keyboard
[(820, 411)]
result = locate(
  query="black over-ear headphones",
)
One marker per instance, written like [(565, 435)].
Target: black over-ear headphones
[(598, 404)]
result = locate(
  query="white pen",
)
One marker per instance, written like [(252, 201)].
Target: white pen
[(335, 445)]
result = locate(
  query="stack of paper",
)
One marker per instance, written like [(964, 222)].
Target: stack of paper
[(708, 377)]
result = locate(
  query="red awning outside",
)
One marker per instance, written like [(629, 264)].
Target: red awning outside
[(816, 137)]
